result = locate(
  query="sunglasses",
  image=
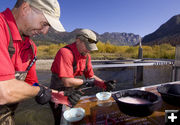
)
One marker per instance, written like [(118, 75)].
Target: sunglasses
[(90, 40)]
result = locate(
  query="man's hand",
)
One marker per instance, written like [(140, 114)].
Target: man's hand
[(43, 96), (106, 85), (89, 82), (73, 96), (110, 85)]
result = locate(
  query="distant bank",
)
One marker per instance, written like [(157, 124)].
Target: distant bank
[(44, 64)]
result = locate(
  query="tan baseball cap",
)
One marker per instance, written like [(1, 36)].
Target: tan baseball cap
[(90, 39), (51, 11)]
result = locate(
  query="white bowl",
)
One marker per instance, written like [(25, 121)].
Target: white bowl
[(103, 95), (74, 114)]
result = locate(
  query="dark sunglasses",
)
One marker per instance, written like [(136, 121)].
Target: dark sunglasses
[(90, 40)]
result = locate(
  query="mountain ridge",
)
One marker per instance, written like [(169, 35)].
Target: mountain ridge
[(115, 38), (169, 32)]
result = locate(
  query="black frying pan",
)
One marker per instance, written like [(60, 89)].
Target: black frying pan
[(170, 93), (145, 109)]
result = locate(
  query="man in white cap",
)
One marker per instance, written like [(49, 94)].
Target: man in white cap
[(71, 62), (18, 52)]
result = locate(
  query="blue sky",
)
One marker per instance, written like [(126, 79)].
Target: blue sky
[(140, 17)]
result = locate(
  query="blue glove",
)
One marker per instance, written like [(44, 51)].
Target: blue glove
[(35, 84)]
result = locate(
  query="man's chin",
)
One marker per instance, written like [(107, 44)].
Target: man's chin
[(31, 35), (34, 35), (83, 54)]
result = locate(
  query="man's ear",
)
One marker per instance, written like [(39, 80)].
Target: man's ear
[(25, 8)]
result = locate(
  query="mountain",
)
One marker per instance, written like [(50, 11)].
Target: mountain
[(68, 37), (120, 38), (168, 32)]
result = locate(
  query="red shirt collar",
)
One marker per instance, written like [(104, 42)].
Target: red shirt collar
[(8, 16)]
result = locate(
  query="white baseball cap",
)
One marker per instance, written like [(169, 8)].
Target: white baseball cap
[(51, 10), (90, 37)]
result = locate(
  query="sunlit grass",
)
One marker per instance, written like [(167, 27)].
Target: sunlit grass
[(110, 51)]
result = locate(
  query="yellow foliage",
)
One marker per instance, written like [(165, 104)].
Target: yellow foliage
[(107, 50)]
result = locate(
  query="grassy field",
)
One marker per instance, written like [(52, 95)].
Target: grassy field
[(109, 51)]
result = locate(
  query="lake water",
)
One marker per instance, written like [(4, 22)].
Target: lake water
[(30, 113)]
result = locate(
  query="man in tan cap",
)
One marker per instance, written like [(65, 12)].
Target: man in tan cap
[(18, 52), (71, 62)]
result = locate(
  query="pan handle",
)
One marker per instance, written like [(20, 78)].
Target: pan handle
[(114, 96)]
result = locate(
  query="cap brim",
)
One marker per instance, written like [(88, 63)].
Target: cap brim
[(54, 23), (91, 46)]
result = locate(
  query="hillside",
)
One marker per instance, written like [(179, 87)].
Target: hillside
[(168, 32), (68, 37)]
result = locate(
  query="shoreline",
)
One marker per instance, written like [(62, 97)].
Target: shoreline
[(44, 64)]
